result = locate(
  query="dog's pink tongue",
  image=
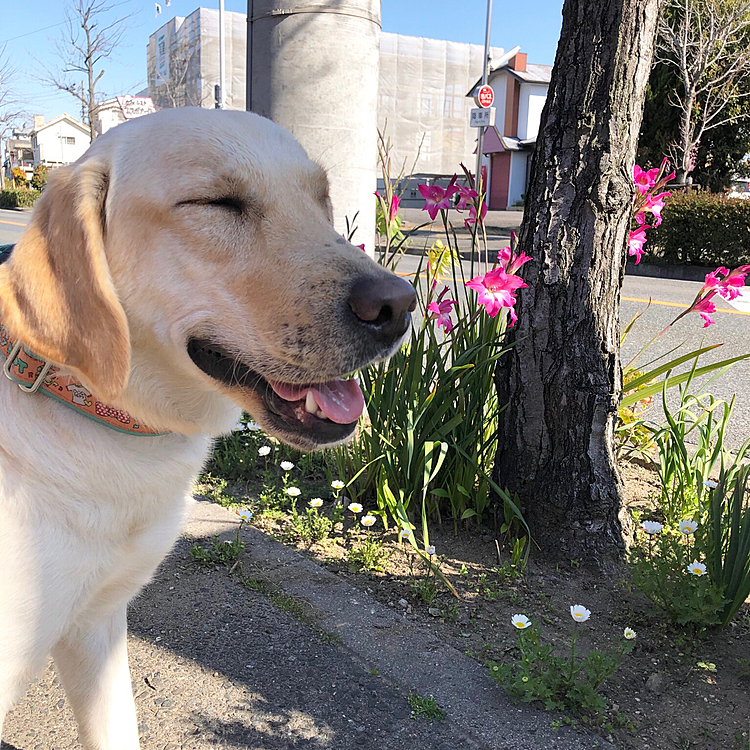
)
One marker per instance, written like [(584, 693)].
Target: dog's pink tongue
[(340, 400)]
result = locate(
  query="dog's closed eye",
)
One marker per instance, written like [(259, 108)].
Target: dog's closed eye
[(234, 203)]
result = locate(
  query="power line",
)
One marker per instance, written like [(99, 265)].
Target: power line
[(29, 33)]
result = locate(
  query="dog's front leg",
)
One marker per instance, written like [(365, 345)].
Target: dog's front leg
[(92, 660)]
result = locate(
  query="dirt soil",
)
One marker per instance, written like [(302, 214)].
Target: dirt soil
[(677, 689)]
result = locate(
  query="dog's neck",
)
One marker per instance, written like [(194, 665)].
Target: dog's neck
[(164, 395), (164, 399)]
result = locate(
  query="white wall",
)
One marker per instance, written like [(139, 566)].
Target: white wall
[(108, 117), (499, 85), (517, 186), (531, 103), (50, 144)]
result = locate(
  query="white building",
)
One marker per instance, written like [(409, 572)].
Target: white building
[(421, 92), (60, 141), (108, 115), (115, 111), (520, 93), (18, 153), (422, 101)]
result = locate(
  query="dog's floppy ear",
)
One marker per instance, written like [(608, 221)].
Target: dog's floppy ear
[(56, 294)]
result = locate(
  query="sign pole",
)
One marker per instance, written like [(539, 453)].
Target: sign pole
[(222, 97), (485, 74)]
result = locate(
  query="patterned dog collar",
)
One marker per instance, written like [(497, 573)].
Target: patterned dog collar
[(33, 374)]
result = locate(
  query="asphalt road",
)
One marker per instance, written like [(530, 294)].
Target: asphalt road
[(668, 297), (12, 224)]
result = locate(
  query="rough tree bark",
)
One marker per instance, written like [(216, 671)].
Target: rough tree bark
[(562, 379)]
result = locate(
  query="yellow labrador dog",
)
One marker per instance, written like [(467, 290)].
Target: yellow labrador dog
[(184, 269)]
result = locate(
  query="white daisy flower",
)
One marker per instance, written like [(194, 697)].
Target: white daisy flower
[(253, 426), (404, 534), (629, 634), (239, 427), (579, 613), (293, 491), (264, 450), (697, 568), (316, 502), (688, 526), (354, 507), (337, 484), (430, 549), (652, 527), (710, 484), (286, 465), (368, 521), (520, 621), (245, 514)]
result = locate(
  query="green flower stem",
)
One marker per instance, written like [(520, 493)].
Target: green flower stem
[(573, 653)]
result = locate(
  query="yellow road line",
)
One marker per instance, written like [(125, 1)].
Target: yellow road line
[(14, 223), (678, 304)]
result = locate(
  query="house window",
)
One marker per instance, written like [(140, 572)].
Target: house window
[(69, 140)]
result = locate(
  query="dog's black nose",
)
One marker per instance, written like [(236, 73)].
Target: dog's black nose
[(382, 305)]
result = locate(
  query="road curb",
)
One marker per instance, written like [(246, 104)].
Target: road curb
[(665, 271), (413, 658)]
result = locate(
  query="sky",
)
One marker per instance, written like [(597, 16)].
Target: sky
[(533, 24)]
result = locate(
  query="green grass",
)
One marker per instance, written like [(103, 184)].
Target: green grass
[(297, 608), (425, 708)]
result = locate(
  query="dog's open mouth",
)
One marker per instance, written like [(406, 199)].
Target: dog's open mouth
[(323, 413)]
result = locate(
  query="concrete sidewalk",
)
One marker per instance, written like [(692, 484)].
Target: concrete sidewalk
[(216, 664), (496, 222)]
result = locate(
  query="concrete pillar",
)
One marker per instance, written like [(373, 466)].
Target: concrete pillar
[(313, 68)]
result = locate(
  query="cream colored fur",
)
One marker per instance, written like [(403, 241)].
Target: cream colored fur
[(86, 513)]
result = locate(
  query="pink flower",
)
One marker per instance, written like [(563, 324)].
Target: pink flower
[(704, 307), (733, 283), (519, 261), (394, 209), (655, 204), (503, 257), (636, 241), (436, 198), (729, 287), (473, 215), (362, 247), (466, 194), (644, 181), (441, 310), (495, 291), (641, 218)]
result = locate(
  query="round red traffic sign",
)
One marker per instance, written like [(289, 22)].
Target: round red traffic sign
[(485, 96)]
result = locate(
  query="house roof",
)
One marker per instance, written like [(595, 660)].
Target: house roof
[(533, 74), (495, 143), (64, 116)]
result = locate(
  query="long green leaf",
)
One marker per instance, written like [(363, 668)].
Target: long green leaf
[(650, 390), (653, 374)]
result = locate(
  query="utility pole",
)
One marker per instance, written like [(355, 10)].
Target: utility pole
[(485, 75), (313, 68), (222, 96)]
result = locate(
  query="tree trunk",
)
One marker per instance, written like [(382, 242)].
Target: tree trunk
[(562, 379), (686, 138)]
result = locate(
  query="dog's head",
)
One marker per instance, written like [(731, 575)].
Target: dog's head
[(189, 256)]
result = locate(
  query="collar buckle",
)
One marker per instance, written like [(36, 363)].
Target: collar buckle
[(38, 381)]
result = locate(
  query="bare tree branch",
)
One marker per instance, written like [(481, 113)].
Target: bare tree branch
[(93, 31), (706, 41)]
